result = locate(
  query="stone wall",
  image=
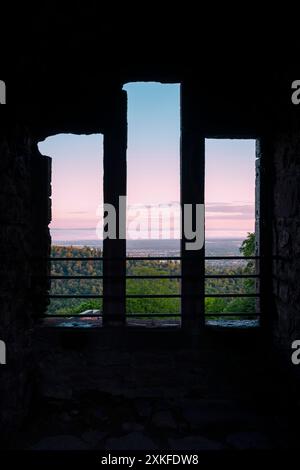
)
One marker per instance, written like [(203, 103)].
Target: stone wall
[(286, 236), (23, 234), (144, 388), (54, 367)]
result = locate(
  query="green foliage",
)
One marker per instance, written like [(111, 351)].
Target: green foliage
[(150, 286), (73, 286), (153, 287), (247, 248)]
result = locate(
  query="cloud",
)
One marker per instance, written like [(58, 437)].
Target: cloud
[(230, 207), (77, 212), (229, 211), (72, 228)]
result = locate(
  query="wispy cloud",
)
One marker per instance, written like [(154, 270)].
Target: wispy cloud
[(73, 228), (78, 212), (230, 207), (235, 211)]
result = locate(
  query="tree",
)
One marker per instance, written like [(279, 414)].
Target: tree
[(247, 247)]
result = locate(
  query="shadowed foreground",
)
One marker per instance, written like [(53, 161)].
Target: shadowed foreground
[(145, 392)]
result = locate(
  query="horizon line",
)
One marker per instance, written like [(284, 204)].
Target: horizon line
[(154, 239)]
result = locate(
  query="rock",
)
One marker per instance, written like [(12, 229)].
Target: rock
[(131, 427), (164, 419), (143, 408), (93, 437), (249, 440), (195, 443), (131, 441), (57, 391), (204, 414), (63, 442), (99, 413), (66, 417)]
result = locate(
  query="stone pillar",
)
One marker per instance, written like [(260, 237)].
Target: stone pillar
[(286, 236), (16, 272), (263, 229), (192, 192), (41, 167), (114, 250)]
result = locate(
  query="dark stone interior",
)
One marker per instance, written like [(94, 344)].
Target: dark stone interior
[(128, 387)]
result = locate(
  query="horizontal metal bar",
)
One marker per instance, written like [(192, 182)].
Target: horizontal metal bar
[(77, 315), (116, 277), (135, 258), (163, 276), (170, 296), (62, 296), (98, 315), (146, 296), (227, 314), (158, 258), (153, 258), (129, 315), (153, 296), (206, 276), (73, 277), (75, 259), (129, 296), (231, 295), (231, 276), (232, 257), (178, 315), (150, 315)]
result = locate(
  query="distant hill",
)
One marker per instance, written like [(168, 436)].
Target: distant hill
[(214, 246)]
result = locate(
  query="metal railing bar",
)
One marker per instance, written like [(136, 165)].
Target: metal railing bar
[(234, 314), (75, 259), (232, 295), (232, 257), (75, 296), (164, 276), (146, 296), (229, 276), (74, 277), (77, 315), (149, 315), (152, 258)]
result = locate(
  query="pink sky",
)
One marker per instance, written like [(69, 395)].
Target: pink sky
[(153, 171)]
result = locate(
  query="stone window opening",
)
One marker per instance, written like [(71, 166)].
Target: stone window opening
[(231, 219), (192, 183), (75, 228)]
